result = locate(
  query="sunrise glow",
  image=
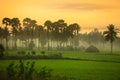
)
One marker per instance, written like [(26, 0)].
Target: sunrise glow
[(88, 14)]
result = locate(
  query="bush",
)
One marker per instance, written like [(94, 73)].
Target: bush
[(28, 53), (33, 52), (20, 71), (60, 54), (2, 49), (42, 52), (21, 52), (26, 71), (44, 73), (18, 52)]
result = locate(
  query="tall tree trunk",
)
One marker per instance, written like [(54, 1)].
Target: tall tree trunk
[(15, 43), (57, 45), (111, 46), (48, 41), (0, 40), (6, 42), (31, 36), (51, 44), (38, 44)]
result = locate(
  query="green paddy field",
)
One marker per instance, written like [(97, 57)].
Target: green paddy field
[(96, 67)]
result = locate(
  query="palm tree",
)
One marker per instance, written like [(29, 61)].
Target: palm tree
[(7, 22), (1, 36), (48, 25), (38, 32), (33, 25), (73, 31), (6, 34), (61, 36), (15, 23), (20, 36), (110, 35), (27, 30), (26, 22)]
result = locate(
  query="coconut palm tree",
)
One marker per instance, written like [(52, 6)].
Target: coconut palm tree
[(38, 33), (110, 35), (7, 22), (75, 28), (73, 31), (26, 22), (27, 30), (61, 36), (33, 24), (1, 36), (21, 33), (48, 25), (15, 23)]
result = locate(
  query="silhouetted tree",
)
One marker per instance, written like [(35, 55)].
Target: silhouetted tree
[(21, 33), (15, 23), (33, 24), (73, 31), (38, 34), (27, 30), (110, 35), (48, 25), (94, 37), (1, 36), (6, 35), (7, 22), (58, 30)]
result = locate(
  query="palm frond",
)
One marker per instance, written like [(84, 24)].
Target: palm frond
[(105, 32)]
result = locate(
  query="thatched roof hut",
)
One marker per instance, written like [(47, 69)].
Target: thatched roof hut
[(92, 49)]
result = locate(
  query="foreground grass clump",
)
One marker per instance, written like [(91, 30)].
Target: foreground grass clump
[(71, 69), (25, 70), (20, 71)]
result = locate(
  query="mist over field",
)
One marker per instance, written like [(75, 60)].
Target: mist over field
[(59, 40)]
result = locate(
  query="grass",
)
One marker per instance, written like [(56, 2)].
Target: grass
[(102, 56), (93, 56), (83, 70)]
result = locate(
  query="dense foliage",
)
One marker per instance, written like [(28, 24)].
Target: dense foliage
[(57, 35)]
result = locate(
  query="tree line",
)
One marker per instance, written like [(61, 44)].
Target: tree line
[(27, 33), (52, 35)]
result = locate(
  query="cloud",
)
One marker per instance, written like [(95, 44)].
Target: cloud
[(81, 6)]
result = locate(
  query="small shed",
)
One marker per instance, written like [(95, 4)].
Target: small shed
[(92, 49)]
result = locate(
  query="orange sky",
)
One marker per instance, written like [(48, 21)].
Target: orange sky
[(88, 14)]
